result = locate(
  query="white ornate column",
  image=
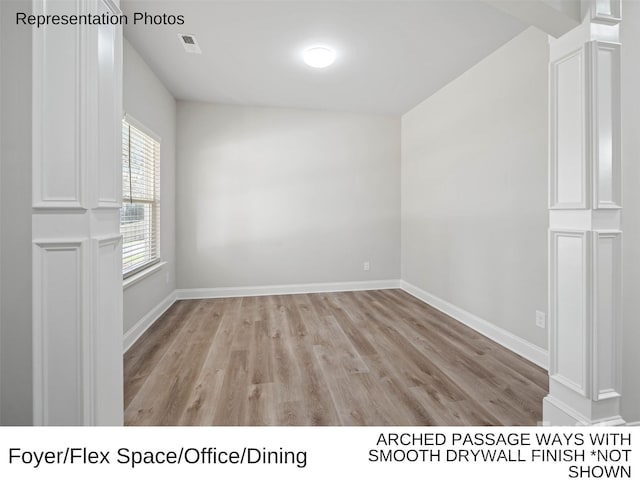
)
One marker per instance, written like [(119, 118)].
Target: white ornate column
[(77, 278), (585, 237)]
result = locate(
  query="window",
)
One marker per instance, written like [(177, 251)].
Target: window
[(140, 212)]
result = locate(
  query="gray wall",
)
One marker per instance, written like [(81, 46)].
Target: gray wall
[(15, 215), (474, 186), (630, 32), (149, 102), (273, 196)]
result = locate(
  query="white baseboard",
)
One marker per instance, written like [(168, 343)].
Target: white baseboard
[(145, 322), (194, 293), (507, 339), (514, 343)]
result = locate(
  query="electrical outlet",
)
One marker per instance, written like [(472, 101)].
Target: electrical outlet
[(366, 266), (541, 319)]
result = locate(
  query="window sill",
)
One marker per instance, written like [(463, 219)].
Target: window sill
[(133, 279)]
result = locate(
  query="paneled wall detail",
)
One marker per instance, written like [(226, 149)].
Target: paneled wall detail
[(107, 393), (604, 128), (59, 299), (109, 112), (606, 326), (585, 240), (77, 300), (568, 182), (58, 129), (569, 314)]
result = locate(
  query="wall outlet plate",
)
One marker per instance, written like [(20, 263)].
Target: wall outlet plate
[(541, 319), (366, 266)]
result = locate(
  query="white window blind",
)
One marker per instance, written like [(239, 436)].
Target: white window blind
[(140, 212)]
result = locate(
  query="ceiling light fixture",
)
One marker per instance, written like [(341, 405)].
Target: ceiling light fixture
[(319, 56)]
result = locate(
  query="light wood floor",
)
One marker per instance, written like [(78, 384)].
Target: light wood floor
[(358, 358)]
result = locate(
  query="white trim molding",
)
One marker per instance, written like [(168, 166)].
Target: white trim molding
[(141, 275), (77, 284), (606, 334), (226, 292), (608, 12), (604, 116), (518, 345), (569, 268), (106, 109), (113, 6), (568, 172), (135, 332), (585, 235), (507, 339), (105, 333), (59, 133), (59, 310)]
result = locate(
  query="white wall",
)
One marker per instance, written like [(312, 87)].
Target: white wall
[(149, 102), (630, 37), (15, 206), (272, 196), (474, 189)]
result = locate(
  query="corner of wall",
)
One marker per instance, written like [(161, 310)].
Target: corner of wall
[(137, 330), (525, 349)]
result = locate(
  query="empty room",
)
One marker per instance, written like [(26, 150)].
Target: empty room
[(331, 213)]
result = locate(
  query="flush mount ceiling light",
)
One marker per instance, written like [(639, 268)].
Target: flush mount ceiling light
[(319, 56)]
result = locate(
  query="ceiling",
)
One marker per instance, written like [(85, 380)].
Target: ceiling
[(391, 54)]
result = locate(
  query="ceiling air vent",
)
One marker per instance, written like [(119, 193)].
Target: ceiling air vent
[(189, 43)]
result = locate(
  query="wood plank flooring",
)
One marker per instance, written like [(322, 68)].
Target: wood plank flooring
[(356, 358)]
